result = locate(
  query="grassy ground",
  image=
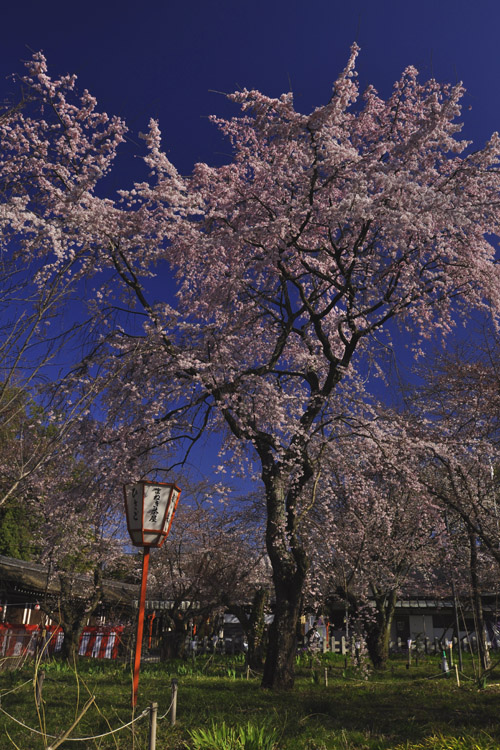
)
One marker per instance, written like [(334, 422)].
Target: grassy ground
[(403, 708)]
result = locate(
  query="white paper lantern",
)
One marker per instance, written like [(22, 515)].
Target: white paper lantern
[(150, 508)]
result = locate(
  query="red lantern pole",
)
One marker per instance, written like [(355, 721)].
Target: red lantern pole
[(151, 618), (140, 626)]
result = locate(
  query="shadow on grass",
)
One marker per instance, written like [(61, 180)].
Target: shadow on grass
[(388, 710)]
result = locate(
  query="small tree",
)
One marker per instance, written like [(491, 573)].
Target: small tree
[(372, 537), (457, 407), (81, 533), (211, 562)]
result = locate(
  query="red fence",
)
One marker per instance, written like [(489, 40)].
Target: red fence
[(17, 642)]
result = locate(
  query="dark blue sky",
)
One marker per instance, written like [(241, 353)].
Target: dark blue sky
[(162, 58)]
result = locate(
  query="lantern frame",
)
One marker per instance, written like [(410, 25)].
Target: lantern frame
[(146, 497)]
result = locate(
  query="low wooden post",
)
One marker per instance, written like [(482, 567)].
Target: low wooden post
[(153, 712), (40, 677), (248, 672), (173, 710), (456, 675), (326, 676)]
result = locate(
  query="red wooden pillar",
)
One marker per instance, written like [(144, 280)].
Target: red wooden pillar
[(151, 618)]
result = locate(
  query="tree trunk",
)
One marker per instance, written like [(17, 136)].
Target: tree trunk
[(379, 632), (482, 645), (73, 609), (256, 630), (173, 642), (254, 627), (290, 565), (71, 643), (74, 612), (279, 669)]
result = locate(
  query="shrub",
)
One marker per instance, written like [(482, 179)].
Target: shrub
[(224, 737)]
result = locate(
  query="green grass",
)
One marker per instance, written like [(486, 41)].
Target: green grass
[(219, 709)]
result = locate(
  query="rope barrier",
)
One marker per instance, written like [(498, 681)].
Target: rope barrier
[(160, 718), (113, 731), (18, 687), (21, 724), (253, 672), (410, 682), (466, 677), (76, 739)]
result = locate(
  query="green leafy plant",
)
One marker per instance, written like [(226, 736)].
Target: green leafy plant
[(183, 670), (224, 737), (255, 737), (217, 737)]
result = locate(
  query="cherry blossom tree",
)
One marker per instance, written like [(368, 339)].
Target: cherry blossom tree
[(52, 154), (290, 262), (212, 562), (456, 421), (374, 531), (73, 516), (455, 428), (80, 536)]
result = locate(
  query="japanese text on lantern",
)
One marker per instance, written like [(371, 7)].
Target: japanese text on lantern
[(135, 501), (153, 511)]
